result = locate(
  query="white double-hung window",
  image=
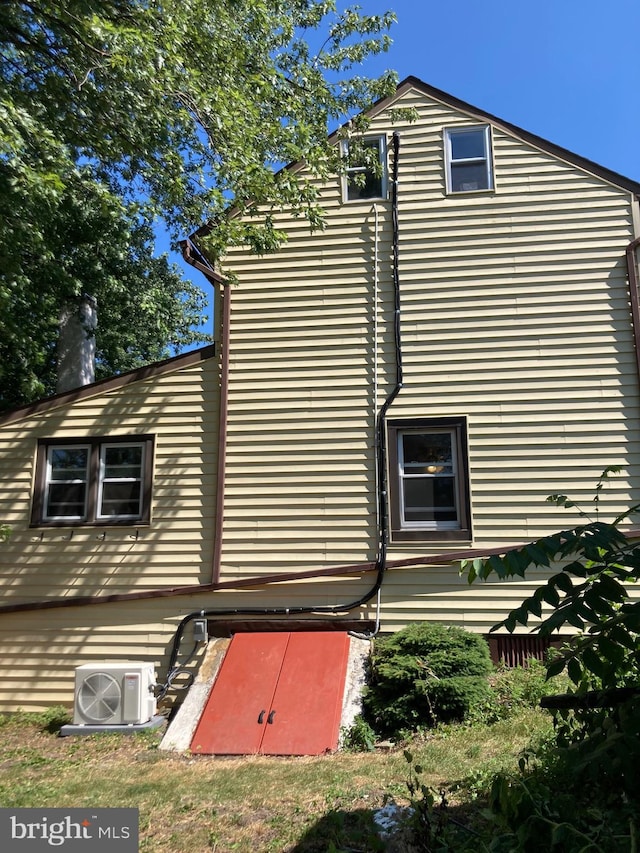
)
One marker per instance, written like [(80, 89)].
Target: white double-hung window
[(366, 175), (66, 482), (468, 157), (120, 480), (427, 468), (429, 479), (93, 481)]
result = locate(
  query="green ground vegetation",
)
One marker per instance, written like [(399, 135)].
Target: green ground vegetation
[(257, 804)]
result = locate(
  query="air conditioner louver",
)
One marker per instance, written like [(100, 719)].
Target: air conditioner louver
[(99, 697), (114, 693)]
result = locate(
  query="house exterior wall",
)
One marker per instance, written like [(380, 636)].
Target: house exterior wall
[(41, 648), (514, 314), (179, 409)]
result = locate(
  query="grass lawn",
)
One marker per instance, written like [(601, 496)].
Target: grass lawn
[(193, 804)]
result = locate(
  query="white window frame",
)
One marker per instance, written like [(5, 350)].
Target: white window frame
[(407, 531), (486, 159), (405, 476), (50, 481), (381, 142), (102, 479)]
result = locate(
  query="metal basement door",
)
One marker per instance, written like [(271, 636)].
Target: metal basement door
[(276, 694)]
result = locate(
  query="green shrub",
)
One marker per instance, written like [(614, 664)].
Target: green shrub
[(545, 807), (584, 793), (360, 737), (515, 688), (522, 686), (425, 674)]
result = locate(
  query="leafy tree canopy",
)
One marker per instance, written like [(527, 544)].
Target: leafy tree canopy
[(115, 112)]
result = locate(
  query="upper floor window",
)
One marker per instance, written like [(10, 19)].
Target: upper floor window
[(468, 159), (93, 481), (429, 479), (367, 177)]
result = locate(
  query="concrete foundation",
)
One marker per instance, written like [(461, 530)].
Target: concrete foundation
[(182, 727), (128, 729)]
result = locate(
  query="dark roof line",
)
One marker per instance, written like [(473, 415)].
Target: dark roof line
[(412, 82), (538, 141), (112, 383)]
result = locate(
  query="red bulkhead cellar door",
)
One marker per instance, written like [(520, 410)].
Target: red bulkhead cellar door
[(307, 704), (277, 694), (230, 723)]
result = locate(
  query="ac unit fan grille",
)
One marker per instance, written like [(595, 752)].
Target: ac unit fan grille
[(99, 697)]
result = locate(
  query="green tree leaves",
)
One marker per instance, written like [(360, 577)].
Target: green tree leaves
[(597, 722), (589, 593), (115, 112), (193, 102)]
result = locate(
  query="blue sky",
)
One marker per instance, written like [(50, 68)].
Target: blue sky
[(567, 70)]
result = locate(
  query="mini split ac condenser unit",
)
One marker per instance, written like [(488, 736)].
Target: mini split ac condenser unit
[(114, 693)]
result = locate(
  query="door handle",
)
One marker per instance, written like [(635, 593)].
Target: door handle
[(270, 717), (261, 717)]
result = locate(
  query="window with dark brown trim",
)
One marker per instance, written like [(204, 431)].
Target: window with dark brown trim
[(105, 480), (429, 479)]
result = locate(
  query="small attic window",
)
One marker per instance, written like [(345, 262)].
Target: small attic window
[(362, 180), (468, 159)]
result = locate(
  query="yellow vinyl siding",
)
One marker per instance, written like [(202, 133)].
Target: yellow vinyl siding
[(514, 313), (41, 649), (181, 411)]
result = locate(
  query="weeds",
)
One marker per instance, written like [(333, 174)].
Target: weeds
[(50, 720), (198, 804), (360, 737)]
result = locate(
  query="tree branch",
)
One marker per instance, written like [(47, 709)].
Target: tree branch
[(593, 699)]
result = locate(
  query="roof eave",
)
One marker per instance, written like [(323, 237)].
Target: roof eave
[(112, 383)]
